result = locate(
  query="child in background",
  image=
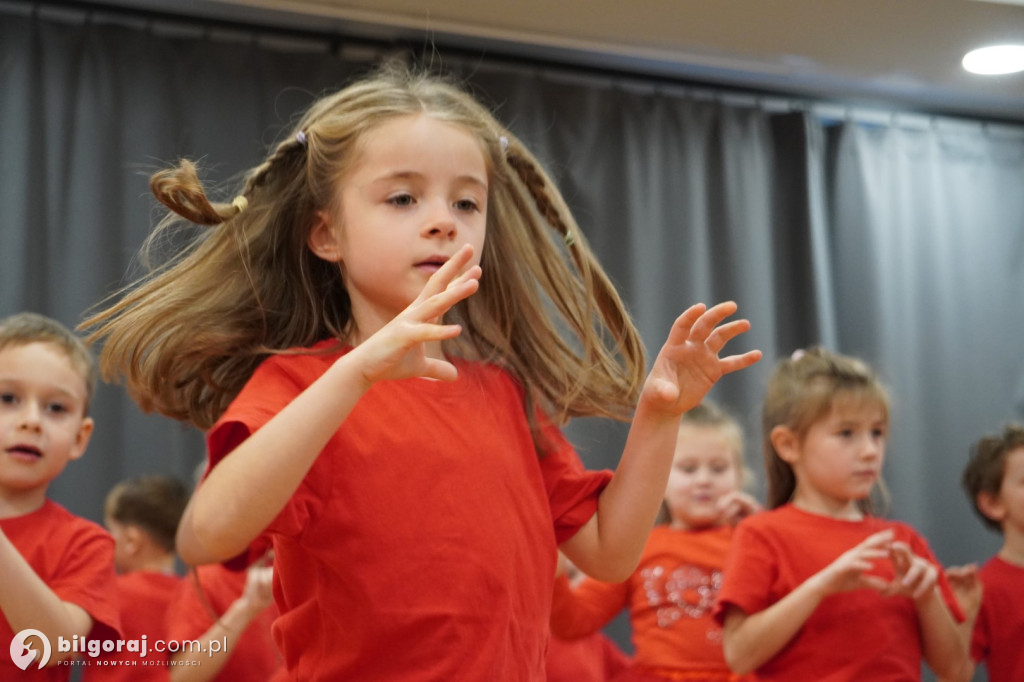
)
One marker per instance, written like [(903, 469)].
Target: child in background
[(379, 417), (56, 569), (142, 514), (671, 594), (817, 588), (994, 482), (235, 608)]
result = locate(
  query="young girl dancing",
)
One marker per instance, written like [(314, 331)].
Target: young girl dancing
[(671, 594), (818, 588), (382, 333)]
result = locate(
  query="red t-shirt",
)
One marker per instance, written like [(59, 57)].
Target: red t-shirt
[(851, 636), (142, 598), (593, 658), (75, 558), (670, 598), (421, 545), (191, 614), (999, 631)]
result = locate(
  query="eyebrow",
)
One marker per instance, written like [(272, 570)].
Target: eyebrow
[(415, 175)]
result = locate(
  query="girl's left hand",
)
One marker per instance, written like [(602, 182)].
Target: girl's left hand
[(688, 364), (737, 506), (915, 576)]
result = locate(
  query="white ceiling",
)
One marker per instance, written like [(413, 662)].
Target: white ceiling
[(903, 53)]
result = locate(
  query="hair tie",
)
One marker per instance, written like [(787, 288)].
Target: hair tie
[(503, 141), (797, 354), (300, 137), (569, 238), (240, 203)]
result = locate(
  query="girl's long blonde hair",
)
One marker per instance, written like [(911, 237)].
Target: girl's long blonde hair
[(803, 389), (187, 336)]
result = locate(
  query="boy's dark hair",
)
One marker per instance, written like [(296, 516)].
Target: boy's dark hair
[(153, 503), (987, 466), (22, 329)]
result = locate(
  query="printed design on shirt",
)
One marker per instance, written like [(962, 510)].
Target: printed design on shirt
[(685, 591)]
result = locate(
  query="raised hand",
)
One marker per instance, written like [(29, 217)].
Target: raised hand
[(397, 350), (967, 588), (850, 570), (688, 364), (736, 506), (915, 576)]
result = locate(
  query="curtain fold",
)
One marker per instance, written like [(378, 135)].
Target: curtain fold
[(901, 245)]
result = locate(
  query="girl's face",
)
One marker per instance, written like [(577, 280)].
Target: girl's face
[(417, 193), (839, 459), (704, 469)]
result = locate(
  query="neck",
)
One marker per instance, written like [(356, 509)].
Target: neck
[(1012, 551), (813, 502), (156, 563), (20, 502)]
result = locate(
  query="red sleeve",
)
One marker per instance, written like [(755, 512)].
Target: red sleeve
[(920, 547), (747, 576), (87, 579), (276, 382), (580, 611), (572, 489)]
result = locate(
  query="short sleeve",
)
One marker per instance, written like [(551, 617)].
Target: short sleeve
[(747, 576), (274, 384), (87, 579), (920, 547), (572, 489)]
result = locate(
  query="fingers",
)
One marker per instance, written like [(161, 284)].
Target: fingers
[(449, 273)]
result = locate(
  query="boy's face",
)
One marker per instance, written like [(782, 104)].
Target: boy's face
[(42, 418), (1008, 507)]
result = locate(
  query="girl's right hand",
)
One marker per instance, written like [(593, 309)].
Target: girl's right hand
[(396, 350), (850, 571)]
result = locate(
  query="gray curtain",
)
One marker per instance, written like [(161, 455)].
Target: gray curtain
[(900, 241)]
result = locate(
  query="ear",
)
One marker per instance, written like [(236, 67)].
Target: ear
[(323, 239), (82, 438), (133, 536), (991, 506), (786, 443)]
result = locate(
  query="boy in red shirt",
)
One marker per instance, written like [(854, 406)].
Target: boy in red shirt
[(58, 569), (142, 514), (994, 482)]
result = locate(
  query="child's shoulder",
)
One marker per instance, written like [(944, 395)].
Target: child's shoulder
[(55, 518)]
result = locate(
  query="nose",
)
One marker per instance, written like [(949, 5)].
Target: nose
[(440, 221), (873, 448), (30, 416)]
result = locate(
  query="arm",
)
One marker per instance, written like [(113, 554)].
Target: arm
[(944, 647), (586, 608), (967, 588), (257, 596), (608, 546), (252, 484), (28, 602), (751, 640)]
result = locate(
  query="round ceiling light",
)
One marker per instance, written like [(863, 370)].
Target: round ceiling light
[(995, 60)]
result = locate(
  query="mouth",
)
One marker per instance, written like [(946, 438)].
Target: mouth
[(432, 264), (29, 452)]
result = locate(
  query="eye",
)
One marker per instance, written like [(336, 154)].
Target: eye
[(401, 200), (57, 408), (468, 205), (878, 433), (8, 398)]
